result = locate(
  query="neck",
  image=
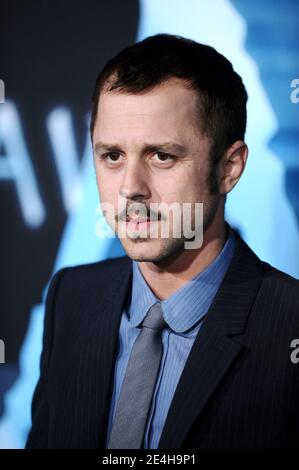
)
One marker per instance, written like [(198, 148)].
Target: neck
[(165, 280)]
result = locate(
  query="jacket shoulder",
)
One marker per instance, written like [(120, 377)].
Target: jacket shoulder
[(280, 278), (281, 290), (92, 275), (109, 264)]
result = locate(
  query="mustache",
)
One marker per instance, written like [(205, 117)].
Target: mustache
[(137, 209)]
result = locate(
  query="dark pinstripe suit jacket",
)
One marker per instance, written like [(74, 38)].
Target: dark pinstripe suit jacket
[(239, 388)]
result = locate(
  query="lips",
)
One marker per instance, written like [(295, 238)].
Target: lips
[(138, 220)]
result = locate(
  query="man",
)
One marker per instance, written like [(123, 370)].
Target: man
[(175, 345)]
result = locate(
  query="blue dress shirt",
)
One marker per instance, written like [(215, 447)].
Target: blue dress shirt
[(183, 312)]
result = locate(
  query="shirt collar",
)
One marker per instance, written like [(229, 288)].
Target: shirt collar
[(188, 304)]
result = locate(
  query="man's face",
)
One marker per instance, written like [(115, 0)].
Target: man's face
[(148, 148)]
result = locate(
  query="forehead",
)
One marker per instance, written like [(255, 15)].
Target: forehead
[(168, 110)]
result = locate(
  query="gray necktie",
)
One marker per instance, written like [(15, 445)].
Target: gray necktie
[(138, 384)]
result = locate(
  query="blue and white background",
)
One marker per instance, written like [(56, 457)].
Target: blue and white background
[(50, 56)]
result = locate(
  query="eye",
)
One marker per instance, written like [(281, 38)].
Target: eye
[(163, 157), (110, 157)]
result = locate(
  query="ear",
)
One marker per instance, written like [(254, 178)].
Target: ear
[(231, 166)]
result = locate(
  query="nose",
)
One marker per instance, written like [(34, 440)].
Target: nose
[(134, 183)]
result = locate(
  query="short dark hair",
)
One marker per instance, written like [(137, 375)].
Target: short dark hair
[(146, 64)]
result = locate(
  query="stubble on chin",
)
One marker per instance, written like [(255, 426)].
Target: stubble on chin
[(153, 250)]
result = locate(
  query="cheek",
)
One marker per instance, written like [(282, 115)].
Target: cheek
[(190, 180), (107, 185), (180, 188), (196, 186)]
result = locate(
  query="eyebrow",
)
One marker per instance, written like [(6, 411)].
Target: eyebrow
[(165, 146)]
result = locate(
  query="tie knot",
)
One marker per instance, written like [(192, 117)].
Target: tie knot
[(154, 318)]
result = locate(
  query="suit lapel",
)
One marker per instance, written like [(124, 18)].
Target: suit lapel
[(215, 348), (98, 351), (110, 334)]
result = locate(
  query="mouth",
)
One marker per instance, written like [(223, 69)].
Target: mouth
[(140, 223)]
